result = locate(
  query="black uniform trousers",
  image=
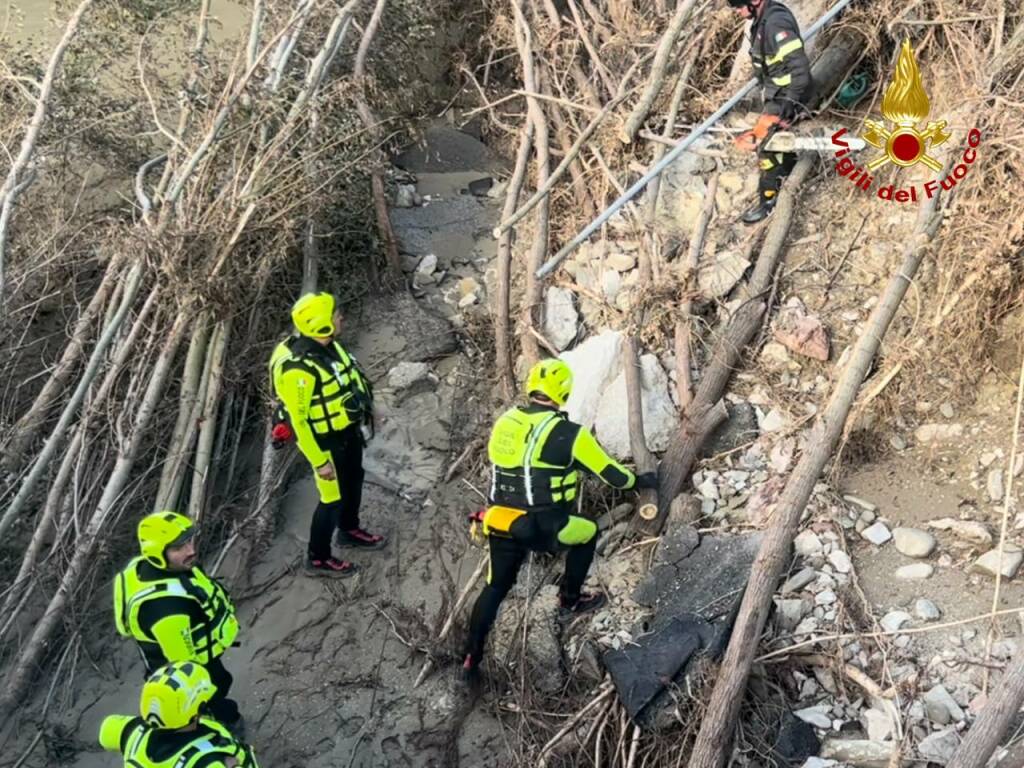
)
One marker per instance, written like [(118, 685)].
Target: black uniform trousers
[(775, 166), (346, 451), (534, 532)]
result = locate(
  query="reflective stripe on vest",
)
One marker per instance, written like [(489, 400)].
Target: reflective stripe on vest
[(519, 478), (339, 395), (221, 743), (210, 639)]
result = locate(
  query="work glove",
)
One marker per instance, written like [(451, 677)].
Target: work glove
[(646, 480), (748, 140)]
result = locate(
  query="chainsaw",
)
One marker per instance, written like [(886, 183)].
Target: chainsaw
[(786, 141)]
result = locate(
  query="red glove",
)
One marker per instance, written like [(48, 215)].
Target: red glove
[(748, 140)]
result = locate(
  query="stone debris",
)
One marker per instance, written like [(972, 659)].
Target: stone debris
[(969, 530), (989, 562), (719, 277), (816, 716), (893, 620), (807, 544), (938, 433), (877, 725), (799, 580), (561, 320), (915, 571), (913, 542), (861, 753), (840, 561), (877, 534), (595, 363), (801, 332), (994, 485), (939, 747), (926, 610), (864, 504), (942, 708)]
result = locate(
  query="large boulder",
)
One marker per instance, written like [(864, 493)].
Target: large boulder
[(595, 363), (660, 420)]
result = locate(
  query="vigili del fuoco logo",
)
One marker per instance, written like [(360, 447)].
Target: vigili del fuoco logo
[(905, 105)]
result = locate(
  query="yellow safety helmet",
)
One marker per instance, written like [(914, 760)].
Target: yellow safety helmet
[(172, 695), (313, 315), (552, 378), (161, 530)]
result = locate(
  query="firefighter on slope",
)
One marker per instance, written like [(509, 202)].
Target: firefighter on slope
[(536, 456), (171, 733), (784, 73), (175, 612), (329, 405)]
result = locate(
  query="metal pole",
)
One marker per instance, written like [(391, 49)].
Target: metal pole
[(681, 147)]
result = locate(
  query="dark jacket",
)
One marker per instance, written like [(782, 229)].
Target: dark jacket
[(780, 62)]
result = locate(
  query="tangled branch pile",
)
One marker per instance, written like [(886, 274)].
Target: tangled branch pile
[(259, 166)]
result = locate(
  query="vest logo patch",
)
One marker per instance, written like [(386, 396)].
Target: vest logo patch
[(781, 36)]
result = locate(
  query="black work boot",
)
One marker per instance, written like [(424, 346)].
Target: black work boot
[(764, 206), (585, 603)]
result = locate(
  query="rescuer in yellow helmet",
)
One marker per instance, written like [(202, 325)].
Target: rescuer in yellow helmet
[(328, 402), (536, 455), (172, 731), (173, 610)]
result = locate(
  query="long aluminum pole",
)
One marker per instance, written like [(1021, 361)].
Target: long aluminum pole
[(681, 147)]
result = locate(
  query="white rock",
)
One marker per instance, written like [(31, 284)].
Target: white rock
[(940, 707), (773, 422), (861, 753), (774, 355), (913, 542), (994, 485), (857, 501), (938, 433), (717, 278), (816, 716), (987, 458), (818, 762), (561, 319), (877, 534), (915, 571), (926, 610), (989, 562), (940, 746), (799, 580), (807, 544), (611, 423), (946, 410), (611, 284), (893, 620), (595, 363), (468, 300), (789, 613), (427, 265), (825, 597), (405, 374), (623, 262), (840, 561), (877, 724), (965, 529)]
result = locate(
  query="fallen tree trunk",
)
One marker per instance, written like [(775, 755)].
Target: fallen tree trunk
[(642, 457), (695, 427), (715, 734), (502, 308)]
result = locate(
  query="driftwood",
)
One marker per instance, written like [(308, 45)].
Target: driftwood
[(533, 294), (715, 734), (380, 205), (642, 457), (502, 347), (742, 327), (658, 68)]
